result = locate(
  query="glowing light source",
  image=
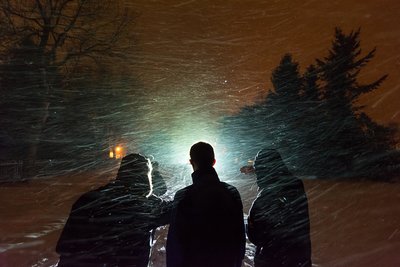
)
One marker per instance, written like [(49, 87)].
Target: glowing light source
[(118, 152)]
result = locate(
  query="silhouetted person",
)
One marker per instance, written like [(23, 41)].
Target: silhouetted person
[(159, 185), (111, 226), (207, 228), (278, 223)]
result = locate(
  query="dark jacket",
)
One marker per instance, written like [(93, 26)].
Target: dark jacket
[(279, 225), (207, 227), (110, 226)]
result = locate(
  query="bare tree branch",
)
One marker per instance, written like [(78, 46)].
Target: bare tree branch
[(65, 29)]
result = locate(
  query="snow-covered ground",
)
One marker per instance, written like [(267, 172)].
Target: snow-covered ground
[(353, 223)]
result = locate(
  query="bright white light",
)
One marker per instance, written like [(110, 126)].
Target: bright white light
[(181, 147)]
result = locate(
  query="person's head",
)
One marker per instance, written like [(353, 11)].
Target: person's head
[(269, 166), (202, 156), (135, 172)]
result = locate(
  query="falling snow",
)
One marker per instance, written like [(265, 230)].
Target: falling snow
[(187, 71)]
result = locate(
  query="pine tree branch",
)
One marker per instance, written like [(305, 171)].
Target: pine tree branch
[(362, 89)]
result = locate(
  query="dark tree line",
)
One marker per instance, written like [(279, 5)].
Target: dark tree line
[(313, 117), (44, 47), (91, 116)]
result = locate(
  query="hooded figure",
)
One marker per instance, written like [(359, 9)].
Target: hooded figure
[(278, 223), (111, 226)]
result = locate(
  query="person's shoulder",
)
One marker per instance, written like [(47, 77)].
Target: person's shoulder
[(229, 187), (87, 199), (231, 190), (182, 192)]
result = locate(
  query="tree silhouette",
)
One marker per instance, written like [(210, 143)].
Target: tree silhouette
[(340, 70), (339, 73), (314, 120), (283, 105), (58, 36), (311, 91)]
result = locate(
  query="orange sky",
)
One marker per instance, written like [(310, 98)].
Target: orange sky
[(222, 52)]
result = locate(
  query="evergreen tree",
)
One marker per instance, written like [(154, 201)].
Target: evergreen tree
[(314, 120), (311, 127), (286, 81), (339, 75), (340, 70), (245, 132), (287, 116), (311, 91)]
